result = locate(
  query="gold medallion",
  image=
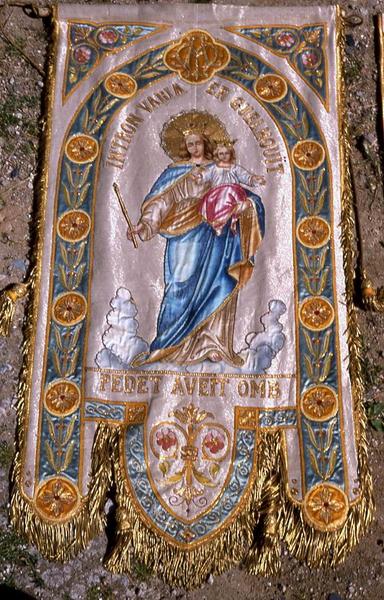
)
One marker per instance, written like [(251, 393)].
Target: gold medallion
[(62, 397), (196, 57), (313, 232), (120, 85), (82, 148), (270, 88), (69, 308), (319, 403), (57, 498), (316, 313), (326, 507), (74, 226), (308, 155)]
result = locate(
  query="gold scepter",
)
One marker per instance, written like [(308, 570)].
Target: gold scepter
[(125, 213)]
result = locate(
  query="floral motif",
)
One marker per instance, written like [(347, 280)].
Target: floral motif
[(326, 507), (69, 308), (310, 58), (316, 313), (57, 498), (271, 88), (82, 54), (308, 155), (302, 47), (62, 397), (120, 85), (90, 43), (74, 226), (107, 37), (166, 438), (197, 56), (205, 446), (214, 441), (82, 149), (319, 403), (313, 232), (285, 39)]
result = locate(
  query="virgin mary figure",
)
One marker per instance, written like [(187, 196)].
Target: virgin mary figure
[(203, 271)]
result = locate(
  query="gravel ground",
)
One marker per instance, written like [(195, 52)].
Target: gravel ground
[(23, 45)]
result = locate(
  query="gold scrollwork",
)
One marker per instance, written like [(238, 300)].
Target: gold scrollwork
[(120, 85), (326, 507), (316, 313), (81, 149), (135, 413), (271, 88), (247, 418), (196, 57), (308, 155), (57, 498), (69, 308), (201, 447)]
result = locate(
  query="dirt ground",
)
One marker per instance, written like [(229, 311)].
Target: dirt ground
[(23, 45)]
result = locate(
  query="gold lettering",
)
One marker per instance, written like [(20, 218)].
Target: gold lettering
[(156, 379), (142, 385), (178, 89), (236, 103), (116, 383), (178, 387), (274, 389), (203, 387), (129, 384), (279, 168), (218, 91), (257, 389), (104, 378), (243, 388), (190, 384)]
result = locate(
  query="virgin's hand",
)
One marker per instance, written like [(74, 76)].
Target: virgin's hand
[(137, 230)]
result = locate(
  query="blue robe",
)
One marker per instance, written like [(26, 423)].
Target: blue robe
[(199, 269)]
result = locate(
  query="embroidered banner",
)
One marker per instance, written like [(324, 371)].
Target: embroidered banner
[(191, 341)]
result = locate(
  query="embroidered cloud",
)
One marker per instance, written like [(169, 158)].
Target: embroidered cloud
[(261, 348), (121, 342)]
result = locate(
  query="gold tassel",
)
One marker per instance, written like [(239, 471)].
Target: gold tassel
[(8, 299), (264, 556)]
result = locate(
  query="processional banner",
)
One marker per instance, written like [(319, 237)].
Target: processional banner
[(191, 340)]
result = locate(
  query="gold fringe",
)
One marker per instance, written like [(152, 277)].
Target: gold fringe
[(62, 541), (8, 300), (136, 542)]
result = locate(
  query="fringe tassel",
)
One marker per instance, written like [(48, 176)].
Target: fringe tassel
[(8, 299), (62, 541), (264, 556), (136, 542)]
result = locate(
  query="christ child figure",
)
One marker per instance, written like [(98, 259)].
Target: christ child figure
[(226, 199)]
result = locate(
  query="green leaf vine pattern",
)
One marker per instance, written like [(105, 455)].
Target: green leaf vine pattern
[(314, 272), (66, 351), (322, 455), (312, 194), (318, 361), (59, 449)]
